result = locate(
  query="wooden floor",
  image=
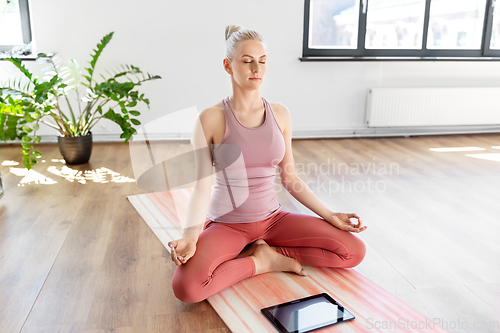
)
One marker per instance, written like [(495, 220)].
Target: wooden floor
[(76, 257)]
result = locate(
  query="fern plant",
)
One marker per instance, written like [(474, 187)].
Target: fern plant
[(28, 101)]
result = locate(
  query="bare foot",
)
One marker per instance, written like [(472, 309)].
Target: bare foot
[(250, 248), (268, 260)]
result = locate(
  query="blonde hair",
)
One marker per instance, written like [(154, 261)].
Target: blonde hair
[(236, 35)]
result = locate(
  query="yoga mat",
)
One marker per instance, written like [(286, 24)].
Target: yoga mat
[(375, 309)]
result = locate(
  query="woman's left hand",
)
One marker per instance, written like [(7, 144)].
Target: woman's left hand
[(343, 221)]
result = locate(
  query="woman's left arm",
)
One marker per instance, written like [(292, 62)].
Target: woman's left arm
[(300, 191)]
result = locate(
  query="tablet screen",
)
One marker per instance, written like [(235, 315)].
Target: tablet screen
[(307, 314)]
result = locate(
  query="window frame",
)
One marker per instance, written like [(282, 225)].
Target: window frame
[(24, 12), (361, 53)]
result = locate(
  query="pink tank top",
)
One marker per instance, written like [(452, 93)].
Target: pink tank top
[(245, 169)]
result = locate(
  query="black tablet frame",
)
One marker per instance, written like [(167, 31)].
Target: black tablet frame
[(267, 312)]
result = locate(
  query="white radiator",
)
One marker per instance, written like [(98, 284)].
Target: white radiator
[(433, 106)]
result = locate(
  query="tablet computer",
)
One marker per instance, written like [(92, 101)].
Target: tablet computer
[(307, 314)]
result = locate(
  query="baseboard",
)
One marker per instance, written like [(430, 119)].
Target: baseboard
[(356, 132), (352, 132)]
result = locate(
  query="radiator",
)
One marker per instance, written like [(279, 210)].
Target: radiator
[(433, 106)]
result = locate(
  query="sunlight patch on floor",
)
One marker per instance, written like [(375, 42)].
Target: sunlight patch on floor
[(447, 149), (99, 175), (31, 177), (490, 157), (10, 163)]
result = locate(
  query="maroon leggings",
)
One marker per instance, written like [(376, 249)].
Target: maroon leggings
[(309, 239)]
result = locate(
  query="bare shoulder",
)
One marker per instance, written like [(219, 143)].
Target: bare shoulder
[(281, 109), (282, 115), (213, 122), (212, 115)]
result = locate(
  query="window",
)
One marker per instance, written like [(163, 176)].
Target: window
[(401, 29), (15, 28)]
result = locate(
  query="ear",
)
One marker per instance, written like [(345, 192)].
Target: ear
[(227, 66)]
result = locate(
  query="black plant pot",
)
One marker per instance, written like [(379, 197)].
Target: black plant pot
[(75, 149)]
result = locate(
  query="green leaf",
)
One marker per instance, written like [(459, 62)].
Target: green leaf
[(27, 129), (135, 121), (10, 127), (135, 113), (37, 153), (3, 117), (43, 89), (32, 117), (28, 164), (27, 138), (128, 85), (110, 115), (25, 145), (100, 47), (35, 127), (37, 139), (21, 67)]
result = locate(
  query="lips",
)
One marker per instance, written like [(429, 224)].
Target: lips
[(255, 78)]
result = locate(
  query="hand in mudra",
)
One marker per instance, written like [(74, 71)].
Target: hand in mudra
[(343, 221), (182, 250)]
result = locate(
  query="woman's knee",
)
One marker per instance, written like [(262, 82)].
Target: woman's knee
[(185, 289), (357, 252)]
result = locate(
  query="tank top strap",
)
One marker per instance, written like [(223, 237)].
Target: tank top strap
[(267, 107), (272, 119), (228, 114), (228, 124)]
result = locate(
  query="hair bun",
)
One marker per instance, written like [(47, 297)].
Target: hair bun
[(234, 40), (230, 29)]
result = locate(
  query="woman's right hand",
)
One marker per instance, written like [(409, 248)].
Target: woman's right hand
[(182, 250)]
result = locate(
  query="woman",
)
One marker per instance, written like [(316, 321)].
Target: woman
[(240, 230)]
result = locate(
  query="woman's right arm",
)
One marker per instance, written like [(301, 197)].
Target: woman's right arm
[(200, 198), (197, 209)]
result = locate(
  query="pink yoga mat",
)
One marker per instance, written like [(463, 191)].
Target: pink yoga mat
[(376, 310)]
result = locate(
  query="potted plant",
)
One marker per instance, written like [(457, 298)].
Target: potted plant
[(26, 102)]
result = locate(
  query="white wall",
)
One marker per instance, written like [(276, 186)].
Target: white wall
[(183, 41)]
